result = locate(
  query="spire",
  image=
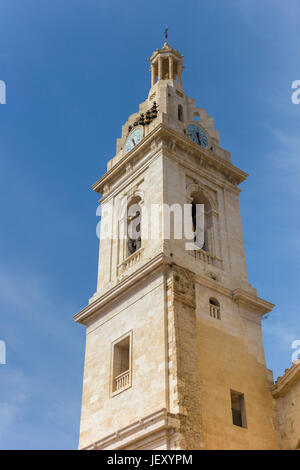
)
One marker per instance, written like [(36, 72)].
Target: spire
[(166, 63)]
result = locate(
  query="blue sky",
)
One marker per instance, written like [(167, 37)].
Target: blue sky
[(74, 71)]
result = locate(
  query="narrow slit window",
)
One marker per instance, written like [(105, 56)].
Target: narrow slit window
[(180, 112), (238, 409)]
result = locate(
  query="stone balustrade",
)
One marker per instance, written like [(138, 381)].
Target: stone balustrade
[(206, 257), (130, 261), (122, 380)]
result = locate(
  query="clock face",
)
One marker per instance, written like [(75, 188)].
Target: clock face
[(133, 139), (197, 135)]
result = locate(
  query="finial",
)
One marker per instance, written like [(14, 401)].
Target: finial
[(166, 33)]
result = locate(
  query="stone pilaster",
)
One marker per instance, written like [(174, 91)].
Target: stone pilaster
[(183, 357)]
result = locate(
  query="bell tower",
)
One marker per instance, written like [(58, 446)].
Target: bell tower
[(174, 352)]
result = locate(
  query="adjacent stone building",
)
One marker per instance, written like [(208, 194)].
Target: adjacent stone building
[(174, 350), (286, 392)]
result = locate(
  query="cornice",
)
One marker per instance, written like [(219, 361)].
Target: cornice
[(166, 49), (225, 167), (136, 431), (257, 304), (202, 173), (285, 383), (240, 296), (215, 161)]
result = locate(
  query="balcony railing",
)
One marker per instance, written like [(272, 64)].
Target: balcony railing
[(122, 380), (206, 257), (203, 256), (131, 260)]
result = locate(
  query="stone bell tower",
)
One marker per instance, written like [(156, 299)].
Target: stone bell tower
[(174, 352)]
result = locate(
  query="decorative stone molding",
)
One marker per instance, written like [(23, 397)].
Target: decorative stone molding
[(171, 145), (198, 188), (135, 190), (219, 165), (154, 145), (257, 304), (129, 168), (194, 188), (214, 276), (105, 189), (184, 286), (141, 429)]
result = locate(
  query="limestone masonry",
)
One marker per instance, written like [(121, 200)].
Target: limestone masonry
[(174, 350)]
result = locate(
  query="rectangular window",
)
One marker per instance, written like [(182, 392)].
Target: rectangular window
[(121, 363), (238, 409)]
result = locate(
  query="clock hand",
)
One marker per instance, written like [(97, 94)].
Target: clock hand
[(133, 141), (198, 137)]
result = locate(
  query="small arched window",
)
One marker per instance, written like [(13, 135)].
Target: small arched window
[(214, 308), (180, 112), (134, 222)]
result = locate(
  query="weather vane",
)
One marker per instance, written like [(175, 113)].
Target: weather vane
[(166, 33)]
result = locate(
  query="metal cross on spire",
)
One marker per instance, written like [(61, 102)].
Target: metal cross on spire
[(166, 33)]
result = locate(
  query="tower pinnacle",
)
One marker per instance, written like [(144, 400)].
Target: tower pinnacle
[(166, 63)]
